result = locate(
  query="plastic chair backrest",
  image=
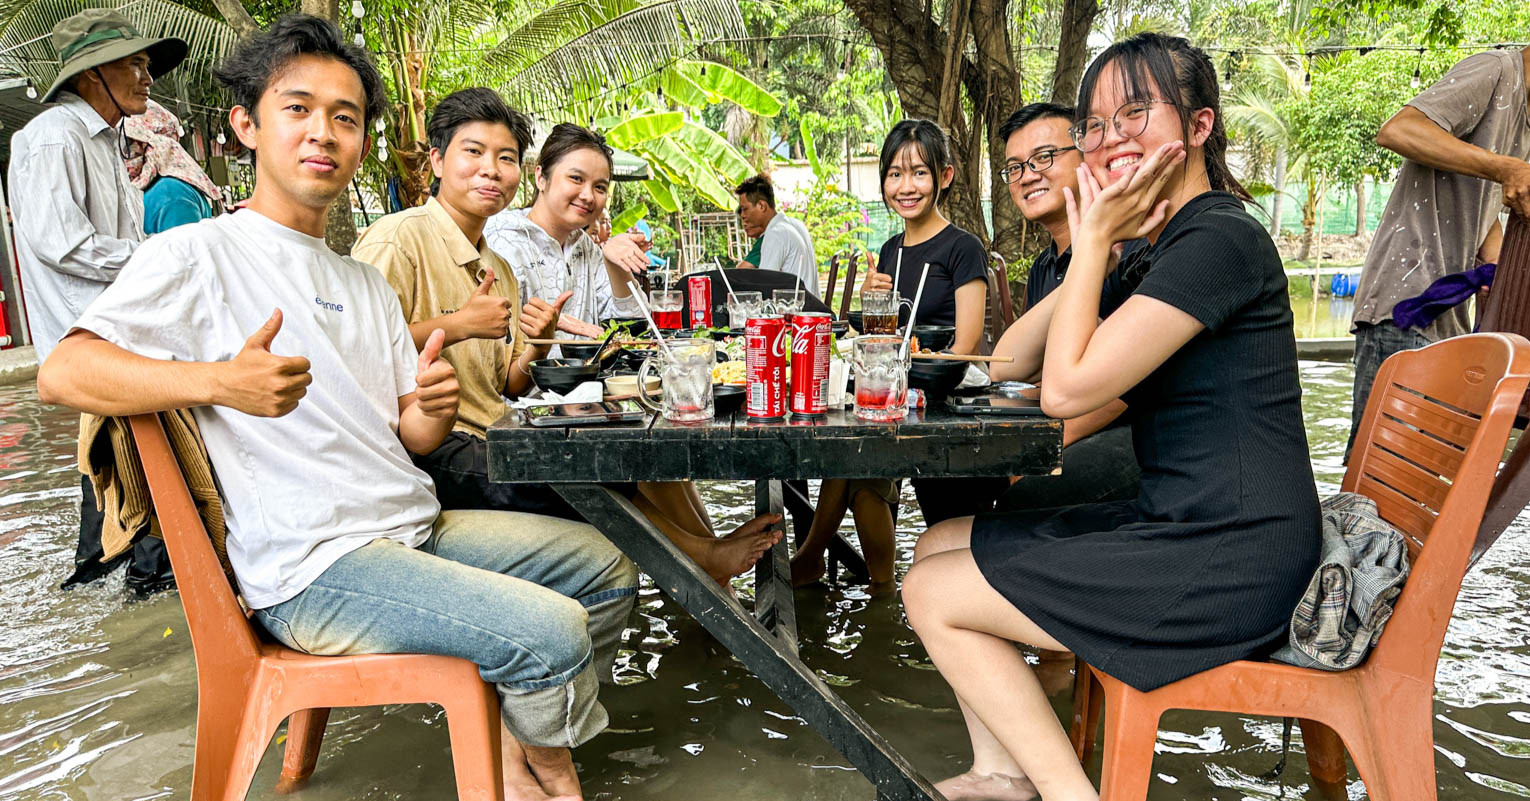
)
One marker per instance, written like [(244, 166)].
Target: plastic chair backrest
[(1428, 450), (1001, 308), (220, 633)]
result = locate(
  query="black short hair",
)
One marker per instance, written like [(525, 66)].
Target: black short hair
[(475, 104), (259, 59), (565, 138), (758, 188), (1031, 113), (929, 140)]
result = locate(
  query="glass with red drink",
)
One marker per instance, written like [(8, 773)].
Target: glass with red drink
[(668, 306), (881, 378)]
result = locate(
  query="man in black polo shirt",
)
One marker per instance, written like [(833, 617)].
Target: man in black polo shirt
[(1040, 161)]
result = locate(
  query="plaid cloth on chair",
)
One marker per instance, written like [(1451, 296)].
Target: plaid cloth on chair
[(1348, 601)]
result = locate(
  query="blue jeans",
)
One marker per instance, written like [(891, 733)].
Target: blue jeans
[(538, 603), (1374, 344)]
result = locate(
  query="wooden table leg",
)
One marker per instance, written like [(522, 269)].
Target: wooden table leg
[(774, 605), (772, 660)]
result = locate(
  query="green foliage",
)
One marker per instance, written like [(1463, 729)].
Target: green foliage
[(628, 218), (644, 128)]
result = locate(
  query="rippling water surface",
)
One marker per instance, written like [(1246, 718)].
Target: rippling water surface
[(98, 693)]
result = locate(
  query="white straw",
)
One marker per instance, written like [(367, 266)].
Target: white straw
[(643, 305), (898, 270), (722, 271), (918, 293)]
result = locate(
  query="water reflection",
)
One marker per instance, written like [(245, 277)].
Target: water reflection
[(98, 694)]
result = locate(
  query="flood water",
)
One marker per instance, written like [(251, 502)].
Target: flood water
[(98, 693)]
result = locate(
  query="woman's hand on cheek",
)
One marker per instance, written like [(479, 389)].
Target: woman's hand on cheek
[(1128, 209)]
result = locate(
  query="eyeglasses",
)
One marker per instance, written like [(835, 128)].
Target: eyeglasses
[(1130, 120), (1039, 162)]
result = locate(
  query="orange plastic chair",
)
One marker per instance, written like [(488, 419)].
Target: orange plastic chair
[(246, 686), (1429, 447)]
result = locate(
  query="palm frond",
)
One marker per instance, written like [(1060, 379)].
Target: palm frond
[(26, 49), (564, 59)]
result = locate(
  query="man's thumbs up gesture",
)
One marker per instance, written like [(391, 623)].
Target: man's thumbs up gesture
[(539, 320), (435, 380), (258, 382), (485, 315)]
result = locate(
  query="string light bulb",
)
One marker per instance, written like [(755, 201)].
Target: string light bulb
[(378, 125), (1417, 80), (31, 92), (222, 140), (359, 39), (357, 9)]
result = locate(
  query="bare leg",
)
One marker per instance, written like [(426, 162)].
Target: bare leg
[(808, 562), (520, 784), (681, 503), (964, 622), (554, 770), (721, 557), (874, 527)]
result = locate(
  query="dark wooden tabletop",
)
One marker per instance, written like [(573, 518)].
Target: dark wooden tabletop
[(933, 443)]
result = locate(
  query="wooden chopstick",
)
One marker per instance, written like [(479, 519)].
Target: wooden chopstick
[(589, 342), (953, 357)]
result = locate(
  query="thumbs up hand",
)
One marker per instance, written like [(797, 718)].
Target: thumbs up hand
[(485, 315), (539, 320), (261, 383), (435, 380)]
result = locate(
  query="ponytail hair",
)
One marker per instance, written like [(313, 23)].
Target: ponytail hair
[(1186, 76)]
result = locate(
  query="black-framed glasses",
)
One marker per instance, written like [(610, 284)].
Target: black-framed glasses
[(1038, 162), (1130, 120)]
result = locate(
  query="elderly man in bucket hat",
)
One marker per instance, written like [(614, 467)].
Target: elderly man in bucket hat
[(80, 218)]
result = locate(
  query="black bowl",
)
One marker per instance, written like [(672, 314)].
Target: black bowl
[(935, 337), (839, 327), (631, 358), (935, 377), (562, 375), (583, 353), (855, 321), (727, 399), (720, 334)]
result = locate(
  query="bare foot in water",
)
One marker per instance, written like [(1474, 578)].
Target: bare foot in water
[(807, 569), (730, 555), (554, 770), (520, 784), (971, 786)]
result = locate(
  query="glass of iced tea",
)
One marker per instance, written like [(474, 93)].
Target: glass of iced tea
[(879, 311), (881, 378)]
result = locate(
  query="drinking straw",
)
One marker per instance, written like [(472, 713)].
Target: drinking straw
[(643, 305), (729, 284), (918, 293), (898, 269)]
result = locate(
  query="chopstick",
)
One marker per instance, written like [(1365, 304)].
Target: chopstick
[(589, 342), (953, 357)]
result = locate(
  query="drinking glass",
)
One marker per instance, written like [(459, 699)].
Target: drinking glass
[(787, 301), (685, 380), (742, 306), (667, 306), (879, 311), (881, 378)]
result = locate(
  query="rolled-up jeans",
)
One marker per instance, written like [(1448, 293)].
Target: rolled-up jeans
[(538, 603)]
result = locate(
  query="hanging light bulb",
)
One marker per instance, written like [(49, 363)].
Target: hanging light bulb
[(661, 94), (1417, 81), (359, 40), (703, 69), (378, 125), (31, 92), (222, 140), (382, 142), (357, 9)]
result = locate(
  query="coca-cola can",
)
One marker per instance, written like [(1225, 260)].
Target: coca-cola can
[(700, 289), (765, 366), (811, 338)]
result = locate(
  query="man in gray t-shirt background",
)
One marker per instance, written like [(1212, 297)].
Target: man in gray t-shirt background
[(1464, 143)]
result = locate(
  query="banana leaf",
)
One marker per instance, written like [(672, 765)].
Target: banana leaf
[(628, 218), (662, 196), (644, 128), (732, 86), (709, 148)]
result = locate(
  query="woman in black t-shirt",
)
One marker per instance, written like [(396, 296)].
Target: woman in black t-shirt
[(916, 173), (1205, 566)]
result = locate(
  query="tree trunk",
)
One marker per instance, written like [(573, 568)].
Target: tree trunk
[(340, 229), (1360, 208), (1280, 193), (324, 9), (1309, 220), (1072, 49), (234, 14)]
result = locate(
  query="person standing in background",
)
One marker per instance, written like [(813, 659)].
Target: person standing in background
[(83, 218), (1464, 142)]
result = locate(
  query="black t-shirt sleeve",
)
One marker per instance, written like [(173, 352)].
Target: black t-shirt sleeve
[(968, 261), (1210, 267)]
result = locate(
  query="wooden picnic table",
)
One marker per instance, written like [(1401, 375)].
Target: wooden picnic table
[(575, 461)]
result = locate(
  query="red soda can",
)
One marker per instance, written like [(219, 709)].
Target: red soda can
[(765, 364), (700, 288), (811, 336)]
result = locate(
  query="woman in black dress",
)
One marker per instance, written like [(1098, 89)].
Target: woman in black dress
[(1206, 565)]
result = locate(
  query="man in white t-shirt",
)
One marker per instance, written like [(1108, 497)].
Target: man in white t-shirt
[(785, 244), (310, 413)]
